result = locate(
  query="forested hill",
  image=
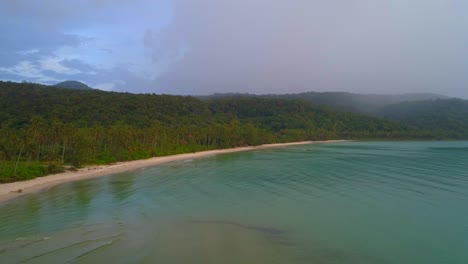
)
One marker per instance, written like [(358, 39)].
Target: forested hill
[(43, 125), (433, 113), (350, 102), (20, 103), (74, 85), (450, 115)]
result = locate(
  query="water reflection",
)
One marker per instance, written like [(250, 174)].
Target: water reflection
[(84, 196), (121, 188)]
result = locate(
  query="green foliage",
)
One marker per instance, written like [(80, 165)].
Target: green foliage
[(44, 128), (344, 101), (73, 85), (24, 171), (445, 118)]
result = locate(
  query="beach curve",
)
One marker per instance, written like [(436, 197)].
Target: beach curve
[(9, 191)]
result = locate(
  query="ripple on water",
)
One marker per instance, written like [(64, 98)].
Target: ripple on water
[(353, 202)]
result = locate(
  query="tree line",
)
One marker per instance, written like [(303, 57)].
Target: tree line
[(46, 129)]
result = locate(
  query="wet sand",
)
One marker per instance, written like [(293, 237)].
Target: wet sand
[(13, 190)]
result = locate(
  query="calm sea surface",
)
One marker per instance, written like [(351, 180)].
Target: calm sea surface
[(355, 202)]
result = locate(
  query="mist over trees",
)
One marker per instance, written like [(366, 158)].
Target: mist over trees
[(370, 104)]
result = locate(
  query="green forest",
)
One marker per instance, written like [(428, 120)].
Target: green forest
[(48, 129)]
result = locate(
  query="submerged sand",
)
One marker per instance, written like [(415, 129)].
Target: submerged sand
[(13, 190)]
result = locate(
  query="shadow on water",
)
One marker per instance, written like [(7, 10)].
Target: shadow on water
[(274, 235), (84, 196), (121, 187)]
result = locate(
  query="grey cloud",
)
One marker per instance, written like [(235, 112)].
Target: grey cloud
[(383, 46), (53, 14), (23, 37), (87, 40), (120, 78), (79, 65), (261, 46)]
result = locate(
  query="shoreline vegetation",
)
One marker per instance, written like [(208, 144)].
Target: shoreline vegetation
[(47, 130), (13, 190)]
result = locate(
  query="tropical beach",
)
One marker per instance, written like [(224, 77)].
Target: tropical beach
[(345, 202), (251, 131), (13, 190)]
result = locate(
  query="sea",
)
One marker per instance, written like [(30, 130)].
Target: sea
[(348, 202)]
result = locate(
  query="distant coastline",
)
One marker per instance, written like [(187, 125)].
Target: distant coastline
[(13, 190)]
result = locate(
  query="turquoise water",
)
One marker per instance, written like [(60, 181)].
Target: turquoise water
[(354, 202)]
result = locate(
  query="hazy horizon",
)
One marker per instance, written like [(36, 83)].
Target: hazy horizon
[(267, 94), (245, 46)]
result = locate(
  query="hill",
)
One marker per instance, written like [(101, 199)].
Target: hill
[(74, 85), (450, 115), (43, 127), (351, 102), (433, 113), (362, 103), (23, 102)]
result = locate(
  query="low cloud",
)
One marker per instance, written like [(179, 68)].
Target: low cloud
[(28, 70), (263, 46), (256, 46), (89, 41)]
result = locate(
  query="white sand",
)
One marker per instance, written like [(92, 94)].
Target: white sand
[(10, 191)]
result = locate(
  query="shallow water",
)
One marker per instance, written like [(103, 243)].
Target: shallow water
[(355, 202)]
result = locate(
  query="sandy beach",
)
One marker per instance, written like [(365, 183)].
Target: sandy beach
[(13, 190)]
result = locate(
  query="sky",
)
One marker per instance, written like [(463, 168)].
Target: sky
[(200, 47)]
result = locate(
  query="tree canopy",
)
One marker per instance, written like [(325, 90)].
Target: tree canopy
[(43, 128)]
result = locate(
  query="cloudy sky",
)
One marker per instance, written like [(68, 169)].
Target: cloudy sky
[(255, 46)]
